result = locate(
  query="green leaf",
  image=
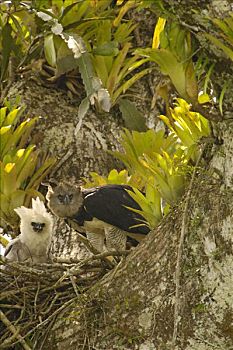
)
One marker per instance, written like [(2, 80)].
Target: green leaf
[(17, 134), (107, 49), (169, 65), (9, 178), (134, 119), (87, 72), (225, 86), (151, 211), (204, 98), (17, 199), (22, 159), (5, 204), (83, 108), (70, 13), (18, 26), (11, 117), (122, 33), (27, 169), (118, 63), (32, 193), (65, 58), (125, 86), (41, 173), (157, 31), (49, 50), (101, 67), (7, 44), (3, 111), (68, 8), (75, 43), (5, 133)]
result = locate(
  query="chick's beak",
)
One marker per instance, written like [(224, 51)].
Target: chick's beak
[(38, 227)]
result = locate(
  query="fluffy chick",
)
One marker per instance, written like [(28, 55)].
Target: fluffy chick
[(36, 227)]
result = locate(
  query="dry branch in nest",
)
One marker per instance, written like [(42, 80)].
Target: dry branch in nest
[(31, 297)]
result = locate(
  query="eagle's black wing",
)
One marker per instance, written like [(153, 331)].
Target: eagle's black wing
[(108, 203)]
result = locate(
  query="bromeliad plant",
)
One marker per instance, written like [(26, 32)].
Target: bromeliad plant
[(172, 51), (114, 177), (188, 126), (85, 37), (136, 144), (20, 169), (165, 162), (150, 202), (160, 162), (99, 45)]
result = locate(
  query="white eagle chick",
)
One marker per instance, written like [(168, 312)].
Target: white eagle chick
[(36, 227)]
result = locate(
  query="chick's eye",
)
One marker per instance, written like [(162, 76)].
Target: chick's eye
[(38, 224)]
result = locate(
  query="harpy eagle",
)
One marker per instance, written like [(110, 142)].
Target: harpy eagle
[(36, 228), (102, 212)]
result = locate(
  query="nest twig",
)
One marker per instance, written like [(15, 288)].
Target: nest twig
[(31, 297)]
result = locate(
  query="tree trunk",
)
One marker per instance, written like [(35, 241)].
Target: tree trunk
[(174, 291)]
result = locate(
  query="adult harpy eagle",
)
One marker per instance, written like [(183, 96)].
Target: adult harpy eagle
[(101, 211)]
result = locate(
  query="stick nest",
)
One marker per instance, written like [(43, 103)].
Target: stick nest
[(31, 297)]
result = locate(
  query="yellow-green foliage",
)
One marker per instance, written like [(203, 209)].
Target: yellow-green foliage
[(188, 126), (150, 203), (136, 144), (114, 177), (172, 51), (157, 159), (99, 44), (20, 173)]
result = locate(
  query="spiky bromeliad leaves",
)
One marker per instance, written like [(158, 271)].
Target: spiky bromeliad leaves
[(172, 51), (189, 126), (102, 54), (21, 174), (87, 38)]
